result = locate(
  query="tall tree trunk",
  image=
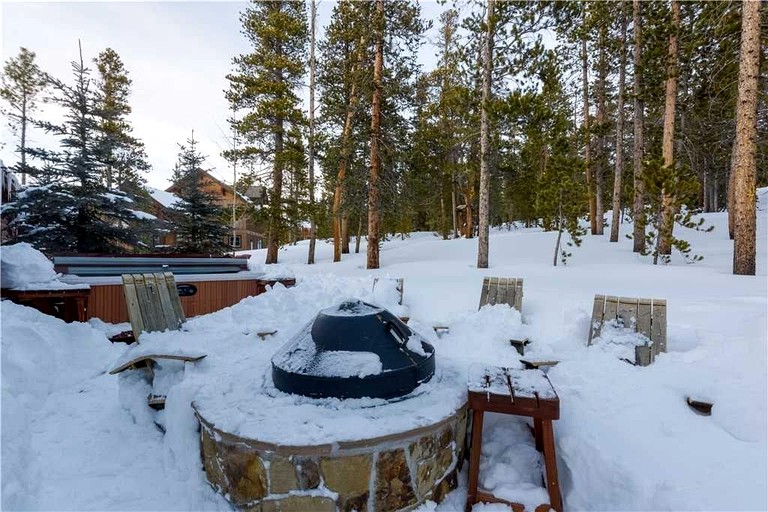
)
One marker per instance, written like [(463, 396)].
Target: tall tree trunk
[(745, 144), (453, 205), (443, 217), (638, 232), (587, 134), (619, 131), (312, 223), (346, 151), (23, 142), (276, 197), (601, 158), (484, 231), (345, 233), (359, 233), (373, 178), (667, 220)]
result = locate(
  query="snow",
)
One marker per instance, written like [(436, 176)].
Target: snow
[(626, 439), (112, 197), (166, 199), (619, 340), (143, 215), (25, 268)]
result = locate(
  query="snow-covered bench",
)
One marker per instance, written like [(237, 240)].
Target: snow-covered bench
[(646, 317)]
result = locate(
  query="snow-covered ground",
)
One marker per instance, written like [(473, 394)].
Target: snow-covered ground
[(76, 438)]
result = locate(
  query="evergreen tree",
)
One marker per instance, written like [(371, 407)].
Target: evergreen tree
[(265, 85), (22, 83), (124, 158), (70, 209), (198, 219)]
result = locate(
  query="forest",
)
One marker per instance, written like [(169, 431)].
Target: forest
[(538, 113)]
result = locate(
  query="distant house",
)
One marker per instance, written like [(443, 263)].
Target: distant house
[(246, 235)]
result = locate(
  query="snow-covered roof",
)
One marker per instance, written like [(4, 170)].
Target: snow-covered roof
[(166, 199)]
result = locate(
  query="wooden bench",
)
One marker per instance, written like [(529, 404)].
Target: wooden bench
[(521, 393), (502, 290), (140, 264), (647, 316), (153, 305)]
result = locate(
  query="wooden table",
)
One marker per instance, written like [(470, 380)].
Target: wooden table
[(520, 393), (69, 304)]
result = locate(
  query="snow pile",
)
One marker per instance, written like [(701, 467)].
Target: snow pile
[(619, 340), (345, 363), (25, 268)]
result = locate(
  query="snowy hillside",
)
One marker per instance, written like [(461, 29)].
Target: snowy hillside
[(75, 438)]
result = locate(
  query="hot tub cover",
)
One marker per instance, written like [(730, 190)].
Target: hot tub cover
[(353, 350)]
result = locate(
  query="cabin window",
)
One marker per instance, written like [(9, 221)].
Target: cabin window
[(235, 241)]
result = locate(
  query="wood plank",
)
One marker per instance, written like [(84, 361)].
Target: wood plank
[(611, 308), (484, 293), (502, 291), (627, 312), (596, 325), (518, 300), (154, 321), (153, 357), (644, 317), (400, 290), (659, 325), (172, 323), (170, 282), (132, 301), (493, 290)]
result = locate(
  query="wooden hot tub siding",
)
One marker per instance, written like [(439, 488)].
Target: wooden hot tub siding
[(108, 303)]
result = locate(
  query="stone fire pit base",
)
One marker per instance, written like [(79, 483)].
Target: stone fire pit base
[(393, 472)]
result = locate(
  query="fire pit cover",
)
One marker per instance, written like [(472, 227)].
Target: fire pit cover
[(354, 350)]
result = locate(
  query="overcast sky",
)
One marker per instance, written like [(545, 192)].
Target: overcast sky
[(177, 54)]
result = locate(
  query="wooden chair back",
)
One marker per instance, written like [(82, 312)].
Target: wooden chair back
[(502, 290), (647, 316), (153, 302)]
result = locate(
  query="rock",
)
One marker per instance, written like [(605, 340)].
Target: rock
[(299, 504), (236, 470), (354, 503), (307, 472), (393, 481), (282, 476), (347, 475)]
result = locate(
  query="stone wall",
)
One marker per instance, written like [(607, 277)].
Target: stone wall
[(388, 473)]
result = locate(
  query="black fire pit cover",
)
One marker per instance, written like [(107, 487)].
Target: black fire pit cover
[(354, 350)]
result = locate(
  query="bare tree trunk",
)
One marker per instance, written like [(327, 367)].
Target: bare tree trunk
[(346, 135), (484, 231), (345, 233), (23, 144), (443, 217), (745, 144), (373, 178), (601, 158), (453, 205), (619, 131), (667, 220), (312, 223), (587, 135), (638, 232), (359, 233), (559, 228), (276, 197)]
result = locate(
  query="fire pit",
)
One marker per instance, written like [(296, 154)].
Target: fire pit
[(354, 350), (352, 414)]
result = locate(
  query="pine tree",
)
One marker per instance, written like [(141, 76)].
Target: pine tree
[(199, 221), (124, 155), (70, 209), (22, 83), (265, 85)]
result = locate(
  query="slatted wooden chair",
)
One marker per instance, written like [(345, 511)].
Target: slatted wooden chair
[(153, 305), (647, 316), (502, 290)]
